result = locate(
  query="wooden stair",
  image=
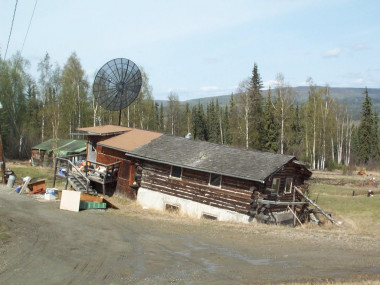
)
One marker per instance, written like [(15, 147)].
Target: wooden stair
[(78, 183)]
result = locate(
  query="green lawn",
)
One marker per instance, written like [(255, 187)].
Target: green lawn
[(35, 172), (360, 211)]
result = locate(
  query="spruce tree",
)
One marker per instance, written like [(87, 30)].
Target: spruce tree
[(271, 128), (199, 121), (256, 110), (368, 143)]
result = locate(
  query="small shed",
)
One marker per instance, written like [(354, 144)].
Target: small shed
[(42, 154)]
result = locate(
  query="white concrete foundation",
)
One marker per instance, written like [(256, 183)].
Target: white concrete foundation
[(149, 199)]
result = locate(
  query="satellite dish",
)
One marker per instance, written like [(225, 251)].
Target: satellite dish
[(117, 84)]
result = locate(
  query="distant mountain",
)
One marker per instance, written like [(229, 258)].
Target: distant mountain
[(352, 97)]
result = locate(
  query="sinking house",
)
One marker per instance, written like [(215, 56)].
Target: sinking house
[(196, 178), (215, 181), (42, 154), (199, 178)]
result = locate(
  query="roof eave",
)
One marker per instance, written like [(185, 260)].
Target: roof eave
[(97, 134), (193, 168)]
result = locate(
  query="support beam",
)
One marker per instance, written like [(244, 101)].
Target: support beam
[(295, 216), (280, 203), (338, 223)]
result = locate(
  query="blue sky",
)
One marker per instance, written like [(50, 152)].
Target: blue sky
[(207, 47)]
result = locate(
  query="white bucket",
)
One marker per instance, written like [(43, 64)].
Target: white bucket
[(11, 181)]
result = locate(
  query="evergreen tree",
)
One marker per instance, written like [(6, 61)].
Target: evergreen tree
[(256, 109), (213, 123), (295, 139), (227, 135), (368, 146), (161, 118), (375, 136), (270, 139), (200, 130)]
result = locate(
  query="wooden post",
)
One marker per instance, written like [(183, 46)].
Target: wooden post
[(295, 216), (2, 160), (55, 171), (293, 207)]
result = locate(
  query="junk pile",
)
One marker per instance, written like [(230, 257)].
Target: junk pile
[(69, 199)]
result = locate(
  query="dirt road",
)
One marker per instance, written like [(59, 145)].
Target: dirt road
[(52, 246)]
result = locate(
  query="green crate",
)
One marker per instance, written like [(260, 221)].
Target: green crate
[(92, 205)]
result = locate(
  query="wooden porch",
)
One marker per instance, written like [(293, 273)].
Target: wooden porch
[(82, 173)]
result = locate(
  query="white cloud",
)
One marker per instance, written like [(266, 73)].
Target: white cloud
[(332, 52), (359, 47), (270, 83), (209, 88)]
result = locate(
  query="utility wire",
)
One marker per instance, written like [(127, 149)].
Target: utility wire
[(10, 32), (30, 22)]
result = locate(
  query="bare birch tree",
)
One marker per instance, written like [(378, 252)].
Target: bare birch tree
[(284, 100), (245, 102)]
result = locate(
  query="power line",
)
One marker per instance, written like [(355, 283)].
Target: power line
[(10, 32), (30, 22)]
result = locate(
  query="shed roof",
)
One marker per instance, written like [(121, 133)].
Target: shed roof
[(62, 146), (103, 130), (130, 139), (211, 157)]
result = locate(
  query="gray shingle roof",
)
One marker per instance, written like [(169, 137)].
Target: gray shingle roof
[(210, 157)]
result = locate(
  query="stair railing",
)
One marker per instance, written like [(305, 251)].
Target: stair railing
[(69, 167)]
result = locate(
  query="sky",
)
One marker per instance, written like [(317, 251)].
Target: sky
[(204, 48)]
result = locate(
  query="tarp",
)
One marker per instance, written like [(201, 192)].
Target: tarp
[(62, 147)]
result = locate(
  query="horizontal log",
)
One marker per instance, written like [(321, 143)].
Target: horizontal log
[(208, 200), (280, 203), (236, 192), (233, 196)]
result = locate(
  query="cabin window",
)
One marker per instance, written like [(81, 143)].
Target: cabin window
[(209, 217), (176, 172), (215, 180), (276, 185), (288, 185), (172, 208)]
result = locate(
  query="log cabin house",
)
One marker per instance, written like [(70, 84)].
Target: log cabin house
[(198, 178)]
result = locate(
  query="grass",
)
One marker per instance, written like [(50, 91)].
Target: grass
[(358, 213), (22, 170)]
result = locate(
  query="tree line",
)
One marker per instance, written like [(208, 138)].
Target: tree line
[(320, 131)]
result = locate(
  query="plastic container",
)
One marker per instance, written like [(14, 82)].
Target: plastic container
[(11, 181), (50, 191), (25, 179), (18, 189)]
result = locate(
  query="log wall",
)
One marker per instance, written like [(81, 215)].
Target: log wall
[(289, 170), (234, 194)]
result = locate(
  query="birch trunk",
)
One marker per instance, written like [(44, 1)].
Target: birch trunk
[(246, 126)]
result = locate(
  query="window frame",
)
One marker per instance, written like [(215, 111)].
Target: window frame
[(286, 184), (276, 191), (216, 186), (171, 172)]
